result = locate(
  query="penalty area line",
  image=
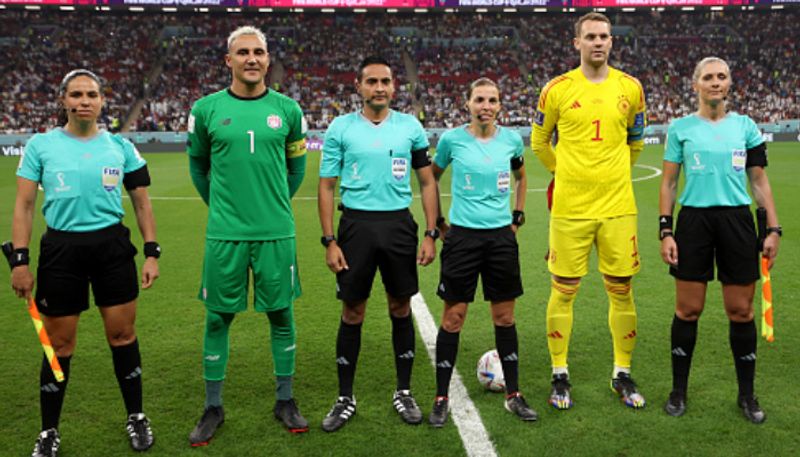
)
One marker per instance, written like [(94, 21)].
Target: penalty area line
[(464, 413)]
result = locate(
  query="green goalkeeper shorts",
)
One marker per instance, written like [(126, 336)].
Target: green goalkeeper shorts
[(226, 275)]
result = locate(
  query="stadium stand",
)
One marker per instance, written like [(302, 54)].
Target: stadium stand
[(156, 65)]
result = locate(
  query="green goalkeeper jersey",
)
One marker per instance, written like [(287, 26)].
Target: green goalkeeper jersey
[(247, 141)]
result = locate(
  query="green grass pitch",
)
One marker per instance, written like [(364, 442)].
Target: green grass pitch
[(170, 328)]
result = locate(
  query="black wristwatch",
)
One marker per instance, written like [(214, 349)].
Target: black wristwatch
[(777, 229), (327, 239), (433, 233), (152, 249), (665, 233), (518, 218)]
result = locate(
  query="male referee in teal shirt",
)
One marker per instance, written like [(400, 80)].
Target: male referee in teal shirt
[(373, 151)]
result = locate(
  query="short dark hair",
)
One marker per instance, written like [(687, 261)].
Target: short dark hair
[(592, 16), (371, 60)]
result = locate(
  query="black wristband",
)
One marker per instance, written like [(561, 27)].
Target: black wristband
[(664, 222), (20, 256), (152, 249), (777, 229), (517, 218)]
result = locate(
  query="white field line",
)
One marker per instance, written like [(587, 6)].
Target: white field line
[(473, 434), (656, 172)]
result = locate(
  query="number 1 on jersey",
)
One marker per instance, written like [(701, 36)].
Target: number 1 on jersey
[(252, 141), (596, 130)]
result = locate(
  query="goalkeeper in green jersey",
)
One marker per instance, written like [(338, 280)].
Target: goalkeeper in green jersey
[(247, 159)]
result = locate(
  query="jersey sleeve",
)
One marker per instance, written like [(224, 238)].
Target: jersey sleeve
[(636, 120), (330, 165), (30, 164), (296, 141), (753, 136), (519, 146), (133, 160), (419, 139), (673, 150), (198, 143), (545, 120), (443, 155)]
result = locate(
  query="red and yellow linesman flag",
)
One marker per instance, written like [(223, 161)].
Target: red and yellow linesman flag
[(767, 330), (58, 373), (45, 340)]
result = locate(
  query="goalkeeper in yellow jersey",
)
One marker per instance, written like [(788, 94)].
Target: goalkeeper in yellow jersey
[(597, 113)]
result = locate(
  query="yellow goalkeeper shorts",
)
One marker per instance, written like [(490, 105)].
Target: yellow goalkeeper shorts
[(571, 243)]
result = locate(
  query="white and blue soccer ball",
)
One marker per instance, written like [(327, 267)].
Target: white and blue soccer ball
[(490, 372)]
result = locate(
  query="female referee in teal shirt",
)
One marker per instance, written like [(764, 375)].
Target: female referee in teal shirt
[(719, 151), (481, 240), (81, 169)]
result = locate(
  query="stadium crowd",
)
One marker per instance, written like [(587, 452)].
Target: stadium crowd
[(38, 49), (168, 61)]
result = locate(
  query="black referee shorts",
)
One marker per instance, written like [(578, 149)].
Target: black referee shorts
[(371, 240), (724, 233), (491, 253), (70, 261)]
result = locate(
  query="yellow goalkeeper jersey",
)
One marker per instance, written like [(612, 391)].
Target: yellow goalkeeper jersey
[(598, 132)]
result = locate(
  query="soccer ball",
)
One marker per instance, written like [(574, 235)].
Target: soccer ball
[(490, 372)]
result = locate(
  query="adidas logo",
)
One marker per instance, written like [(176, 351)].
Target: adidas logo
[(751, 357), (342, 361), (557, 335), (576, 105), (663, 220), (444, 364), (135, 373), (630, 335), (511, 357), (679, 352), (50, 388), (408, 355)]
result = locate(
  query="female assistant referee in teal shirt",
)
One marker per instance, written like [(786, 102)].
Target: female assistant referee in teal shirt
[(719, 151), (481, 240), (82, 169)]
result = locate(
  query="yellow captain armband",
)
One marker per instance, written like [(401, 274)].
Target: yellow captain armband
[(296, 149)]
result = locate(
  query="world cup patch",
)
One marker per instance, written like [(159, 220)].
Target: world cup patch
[(399, 168), (274, 121), (538, 118), (739, 159), (111, 178)]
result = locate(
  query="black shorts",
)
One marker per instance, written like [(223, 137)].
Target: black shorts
[(726, 234), (492, 253), (70, 261), (371, 240)]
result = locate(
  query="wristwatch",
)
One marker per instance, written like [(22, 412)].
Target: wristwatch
[(665, 233), (518, 218), (777, 229), (433, 233), (327, 239)]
